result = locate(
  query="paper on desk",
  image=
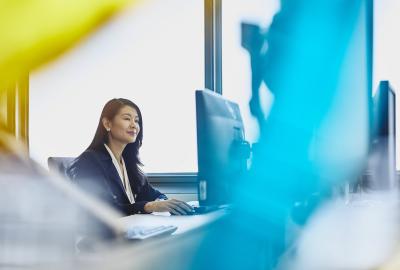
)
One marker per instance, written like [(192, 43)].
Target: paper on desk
[(161, 214)]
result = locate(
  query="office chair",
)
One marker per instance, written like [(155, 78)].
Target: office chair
[(59, 164)]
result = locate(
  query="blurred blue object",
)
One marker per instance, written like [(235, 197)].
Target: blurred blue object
[(318, 66)]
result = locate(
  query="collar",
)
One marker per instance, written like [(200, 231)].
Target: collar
[(112, 154)]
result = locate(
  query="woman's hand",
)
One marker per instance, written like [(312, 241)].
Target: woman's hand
[(173, 206)]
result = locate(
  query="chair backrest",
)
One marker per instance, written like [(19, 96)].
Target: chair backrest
[(59, 164)]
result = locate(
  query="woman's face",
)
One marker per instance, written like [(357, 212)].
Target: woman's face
[(124, 128)]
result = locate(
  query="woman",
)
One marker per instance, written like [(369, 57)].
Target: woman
[(109, 168)]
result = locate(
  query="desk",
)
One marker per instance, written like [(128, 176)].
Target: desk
[(359, 234), (184, 223), (173, 252)]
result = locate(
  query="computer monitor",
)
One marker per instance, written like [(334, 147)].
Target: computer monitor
[(221, 147), (382, 161)]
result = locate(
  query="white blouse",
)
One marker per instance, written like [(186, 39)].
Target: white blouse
[(123, 175)]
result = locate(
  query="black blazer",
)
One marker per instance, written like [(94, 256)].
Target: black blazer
[(95, 173)]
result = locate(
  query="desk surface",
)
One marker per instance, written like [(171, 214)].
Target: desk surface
[(172, 252), (184, 223)]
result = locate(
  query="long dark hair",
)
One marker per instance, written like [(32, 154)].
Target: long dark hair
[(131, 151)]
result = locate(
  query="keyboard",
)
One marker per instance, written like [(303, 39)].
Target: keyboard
[(198, 210), (144, 232), (203, 209)]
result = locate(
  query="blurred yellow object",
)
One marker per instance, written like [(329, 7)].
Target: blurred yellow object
[(33, 32), (10, 146)]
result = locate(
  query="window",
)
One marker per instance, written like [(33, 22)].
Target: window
[(386, 53), (236, 75), (153, 55)]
